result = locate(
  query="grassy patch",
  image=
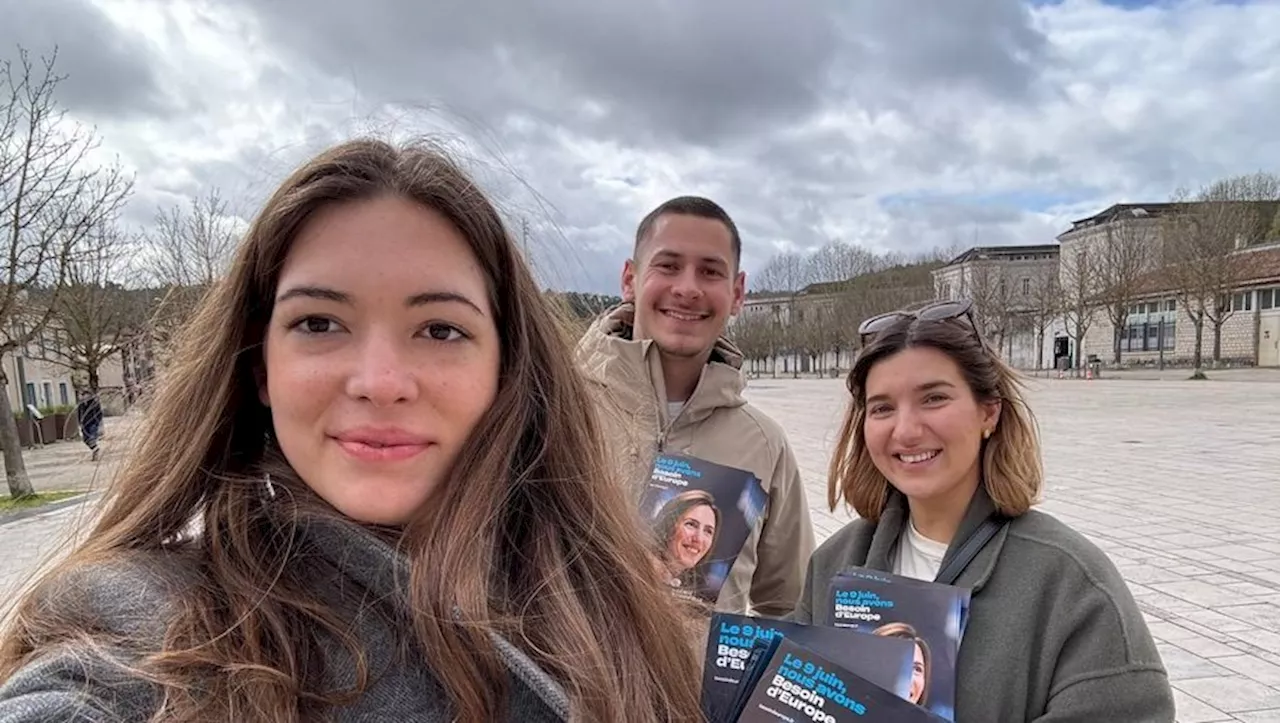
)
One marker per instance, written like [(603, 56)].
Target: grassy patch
[(8, 504)]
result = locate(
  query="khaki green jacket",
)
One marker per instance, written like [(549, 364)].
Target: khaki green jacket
[(1054, 635), (716, 424)]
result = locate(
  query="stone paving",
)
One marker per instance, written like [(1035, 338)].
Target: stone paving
[(1179, 482)]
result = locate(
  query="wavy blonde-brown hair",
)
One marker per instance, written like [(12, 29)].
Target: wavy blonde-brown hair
[(529, 537), (1011, 469)]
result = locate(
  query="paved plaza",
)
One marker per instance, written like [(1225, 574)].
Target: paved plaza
[(1178, 481)]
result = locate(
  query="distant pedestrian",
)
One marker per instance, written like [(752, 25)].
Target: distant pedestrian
[(89, 415)]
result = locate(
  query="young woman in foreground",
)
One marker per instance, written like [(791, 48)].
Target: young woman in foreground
[(937, 439), (369, 490)]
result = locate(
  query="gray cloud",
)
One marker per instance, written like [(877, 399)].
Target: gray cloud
[(666, 71), (110, 72), (899, 126)]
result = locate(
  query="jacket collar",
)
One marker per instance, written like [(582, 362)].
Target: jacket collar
[(384, 572), (610, 356), (893, 520)]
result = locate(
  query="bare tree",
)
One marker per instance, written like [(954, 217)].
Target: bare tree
[(1079, 302), (188, 251), (1128, 252), (52, 196), (95, 315), (1201, 241), (788, 273), (989, 290), (1233, 213), (838, 261), (1045, 301)]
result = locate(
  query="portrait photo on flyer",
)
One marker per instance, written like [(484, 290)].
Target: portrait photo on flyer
[(931, 615), (701, 514)]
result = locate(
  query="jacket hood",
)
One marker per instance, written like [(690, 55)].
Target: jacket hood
[(610, 356)]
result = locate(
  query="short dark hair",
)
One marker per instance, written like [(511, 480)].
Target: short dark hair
[(691, 206)]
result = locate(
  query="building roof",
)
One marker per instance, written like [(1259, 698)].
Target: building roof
[(1255, 266), (996, 252), (1267, 210), (1135, 210)]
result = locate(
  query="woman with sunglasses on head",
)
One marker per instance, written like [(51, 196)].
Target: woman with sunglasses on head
[(939, 456), (370, 488)]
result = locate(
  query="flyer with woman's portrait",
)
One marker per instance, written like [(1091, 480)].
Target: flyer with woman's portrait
[(930, 615), (701, 514)]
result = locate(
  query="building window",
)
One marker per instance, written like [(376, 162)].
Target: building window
[(1242, 301), (1267, 298), (48, 394), (1151, 326), (1026, 287), (62, 394)]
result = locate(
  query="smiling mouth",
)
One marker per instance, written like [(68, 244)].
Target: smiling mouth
[(919, 458), (684, 315)]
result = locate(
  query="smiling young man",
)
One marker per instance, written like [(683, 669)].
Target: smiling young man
[(670, 382)]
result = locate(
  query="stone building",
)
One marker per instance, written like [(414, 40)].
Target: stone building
[(1117, 256), (1007, 285)]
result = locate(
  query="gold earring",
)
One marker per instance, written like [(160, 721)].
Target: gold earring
[(986, 434)]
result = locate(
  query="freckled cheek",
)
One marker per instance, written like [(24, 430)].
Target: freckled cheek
[(303, 389), (463, 393)]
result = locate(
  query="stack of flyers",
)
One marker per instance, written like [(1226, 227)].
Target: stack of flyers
[(788, 682), (932, 616), (883, 661)]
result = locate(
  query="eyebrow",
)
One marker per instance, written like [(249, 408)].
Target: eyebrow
[(664, 253), (927, 386), (339, 297)]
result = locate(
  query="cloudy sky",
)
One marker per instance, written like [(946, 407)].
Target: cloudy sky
[(902, 125)]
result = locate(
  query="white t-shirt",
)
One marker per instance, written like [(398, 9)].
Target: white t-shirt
[(673, 409), (918, 556)]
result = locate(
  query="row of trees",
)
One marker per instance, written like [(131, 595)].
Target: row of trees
[(822, 296), (76, 288)]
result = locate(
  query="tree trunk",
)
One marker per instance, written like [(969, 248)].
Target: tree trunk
[(1115, 344), (1217, 342), (93, 378), (15, 470), (1040, 349), (1197, 357)]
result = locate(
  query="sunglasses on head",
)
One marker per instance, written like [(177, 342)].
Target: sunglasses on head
[(937, 311)]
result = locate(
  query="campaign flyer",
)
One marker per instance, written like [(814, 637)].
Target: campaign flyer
[(701, 514), (883, 661), (930, 615), (801, 685)]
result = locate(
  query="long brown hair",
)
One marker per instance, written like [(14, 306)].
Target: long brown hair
[(906, 631), (528, 537), (1011, 469)]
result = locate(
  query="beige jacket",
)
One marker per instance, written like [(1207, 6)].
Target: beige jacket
[(716, 424)]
